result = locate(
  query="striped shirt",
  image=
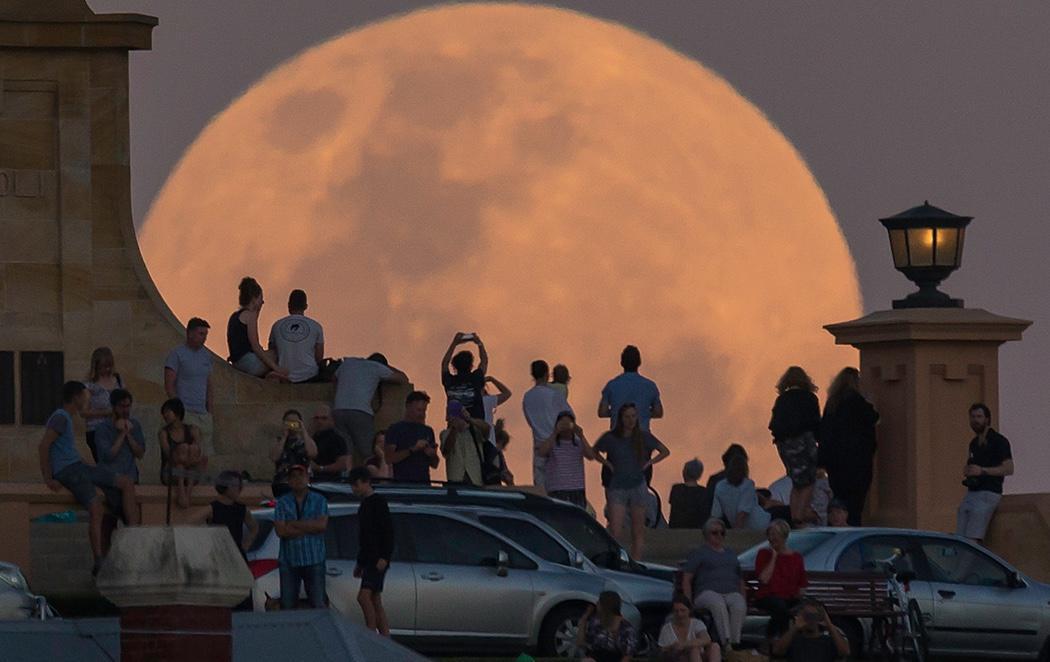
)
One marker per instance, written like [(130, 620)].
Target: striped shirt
[(565, 466), (304, 550)]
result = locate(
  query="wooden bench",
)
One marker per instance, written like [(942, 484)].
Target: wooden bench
[(843, 594)]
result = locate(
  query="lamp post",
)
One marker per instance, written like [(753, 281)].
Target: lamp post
[(927, 245)]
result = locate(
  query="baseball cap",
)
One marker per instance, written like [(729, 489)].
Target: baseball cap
[(838, 503)]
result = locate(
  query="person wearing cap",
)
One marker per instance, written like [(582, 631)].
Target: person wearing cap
[(300, 520), (838, 513), (463, 445), (564, 451)]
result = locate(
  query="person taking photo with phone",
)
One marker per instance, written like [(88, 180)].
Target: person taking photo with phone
[(293, 447)]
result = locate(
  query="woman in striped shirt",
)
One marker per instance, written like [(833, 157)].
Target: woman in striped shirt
[(565, 450)]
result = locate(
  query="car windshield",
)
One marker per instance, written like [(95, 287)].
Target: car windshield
[(802, 542)]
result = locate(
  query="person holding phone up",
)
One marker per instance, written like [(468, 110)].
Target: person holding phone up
[(294, 446)]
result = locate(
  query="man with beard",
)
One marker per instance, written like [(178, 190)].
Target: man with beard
[(989, 462)]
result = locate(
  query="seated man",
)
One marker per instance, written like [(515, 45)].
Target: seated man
[(811, 637), (61, 466)]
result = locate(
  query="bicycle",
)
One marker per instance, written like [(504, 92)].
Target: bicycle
[(904, 636)]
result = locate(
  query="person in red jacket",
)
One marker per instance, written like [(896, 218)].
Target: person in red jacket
[(781, 578)]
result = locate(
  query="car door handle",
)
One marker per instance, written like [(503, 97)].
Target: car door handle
[(946, 594), (332, 571), (433, 576)]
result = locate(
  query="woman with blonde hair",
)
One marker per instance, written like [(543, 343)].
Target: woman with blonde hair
[(781, 578), (847, 442), (794, 424), (102, 380)]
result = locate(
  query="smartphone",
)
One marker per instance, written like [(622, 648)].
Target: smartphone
[(294, 425)]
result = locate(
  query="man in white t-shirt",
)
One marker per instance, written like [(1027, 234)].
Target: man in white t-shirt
[(490, 402), (542, 404), (356, 382), (298, 341)]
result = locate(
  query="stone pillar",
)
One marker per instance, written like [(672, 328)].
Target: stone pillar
[(175, 587), (923, 368)]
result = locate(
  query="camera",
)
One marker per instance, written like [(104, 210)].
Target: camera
[(294, 426), (811, 617)]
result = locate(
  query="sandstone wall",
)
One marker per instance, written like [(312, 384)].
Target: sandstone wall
[(71, 274)]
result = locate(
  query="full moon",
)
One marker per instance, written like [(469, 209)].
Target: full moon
[(559, 184)]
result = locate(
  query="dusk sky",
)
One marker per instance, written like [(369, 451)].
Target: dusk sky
[(890, 104)]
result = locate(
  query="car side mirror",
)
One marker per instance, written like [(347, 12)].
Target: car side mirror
[(502, 561), (1013, 580), (625, 558), (577, 559)]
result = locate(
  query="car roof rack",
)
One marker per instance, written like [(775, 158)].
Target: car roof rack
[(434, 490)]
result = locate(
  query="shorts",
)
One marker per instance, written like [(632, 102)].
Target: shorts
[(975, 513), (799, 455), (251, 364), (82, 479), (359, 430), (630, 497), (372, 578)]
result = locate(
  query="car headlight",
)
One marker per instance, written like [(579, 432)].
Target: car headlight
[(13, 578)]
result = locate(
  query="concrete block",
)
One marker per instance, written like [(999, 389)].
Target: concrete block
[(149, 566)]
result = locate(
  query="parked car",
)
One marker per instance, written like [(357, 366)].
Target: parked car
[(572, 522), (974, 604), (17, 603), (650, 595), (454, 584)]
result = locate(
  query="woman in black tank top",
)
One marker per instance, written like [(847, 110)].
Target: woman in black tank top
[(242, 335), (228, 511)]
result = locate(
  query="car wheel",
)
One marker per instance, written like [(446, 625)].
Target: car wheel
[(558, 633)]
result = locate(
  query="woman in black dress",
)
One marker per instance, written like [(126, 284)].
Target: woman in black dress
[(847, 442)]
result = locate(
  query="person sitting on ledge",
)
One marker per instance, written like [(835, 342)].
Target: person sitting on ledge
[(61, 466), (180, 445), (297, 341), (242, 335), (688, 497)]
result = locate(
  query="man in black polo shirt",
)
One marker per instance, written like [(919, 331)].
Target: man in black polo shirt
[(989, 462)]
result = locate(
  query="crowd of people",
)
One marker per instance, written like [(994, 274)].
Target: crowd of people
[(828, 457)]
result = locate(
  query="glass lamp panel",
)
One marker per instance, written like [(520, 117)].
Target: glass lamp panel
[(920, 246), (899, 247), (959, 247), (947, 247)]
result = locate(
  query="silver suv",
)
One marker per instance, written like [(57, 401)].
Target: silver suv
[(652, 596), (454, 585)]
